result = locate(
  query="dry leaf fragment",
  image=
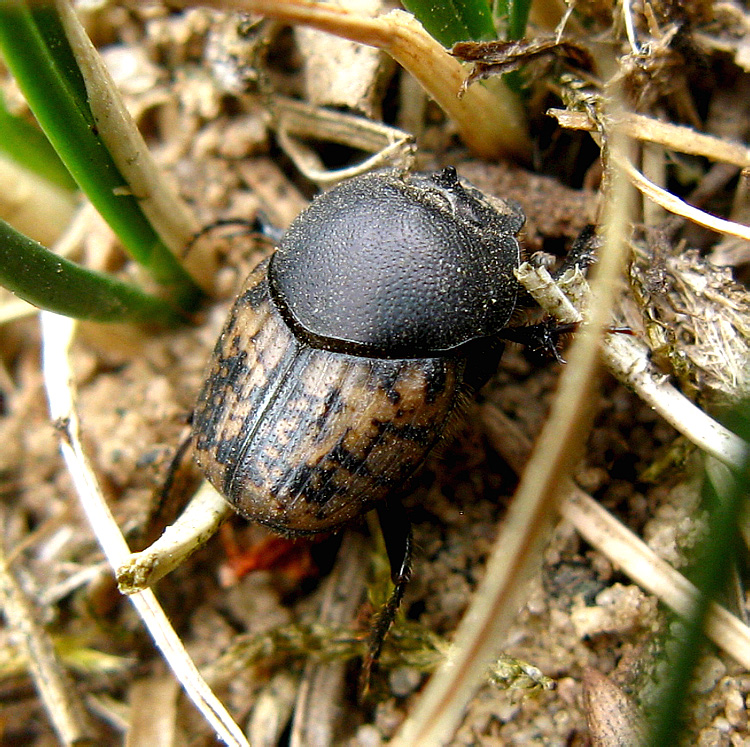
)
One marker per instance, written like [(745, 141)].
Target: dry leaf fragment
[(500, 57)]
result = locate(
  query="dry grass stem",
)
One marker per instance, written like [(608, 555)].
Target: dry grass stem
[(675, 205), (57, 334), (654, 167), (686, 140), (272, 709), (60, 698), (153, 718), (675, 137), (390, 146), (629, 361)]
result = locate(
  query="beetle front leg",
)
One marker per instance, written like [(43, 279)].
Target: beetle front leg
[(540, 339), (396, 528), (582, 254)]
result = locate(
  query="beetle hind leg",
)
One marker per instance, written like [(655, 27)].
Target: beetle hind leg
[(397, 534)]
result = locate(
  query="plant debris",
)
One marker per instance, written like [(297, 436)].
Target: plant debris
[(280, 645)]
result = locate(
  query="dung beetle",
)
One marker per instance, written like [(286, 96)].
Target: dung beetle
[(349, 352)]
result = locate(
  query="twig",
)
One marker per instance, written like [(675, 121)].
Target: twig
[(192, 529)]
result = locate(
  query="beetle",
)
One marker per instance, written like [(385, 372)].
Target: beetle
[(348, 354)]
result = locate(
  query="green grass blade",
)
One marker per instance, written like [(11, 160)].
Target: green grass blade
[(27, 146), (50, 28), (38, 54), (454, 20), (712, 573), (50, 282), (513, 15)]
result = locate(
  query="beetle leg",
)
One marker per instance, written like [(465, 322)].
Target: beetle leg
[(540, 338), (260, 227), (582, 254), (396, 529), (169, 500)]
